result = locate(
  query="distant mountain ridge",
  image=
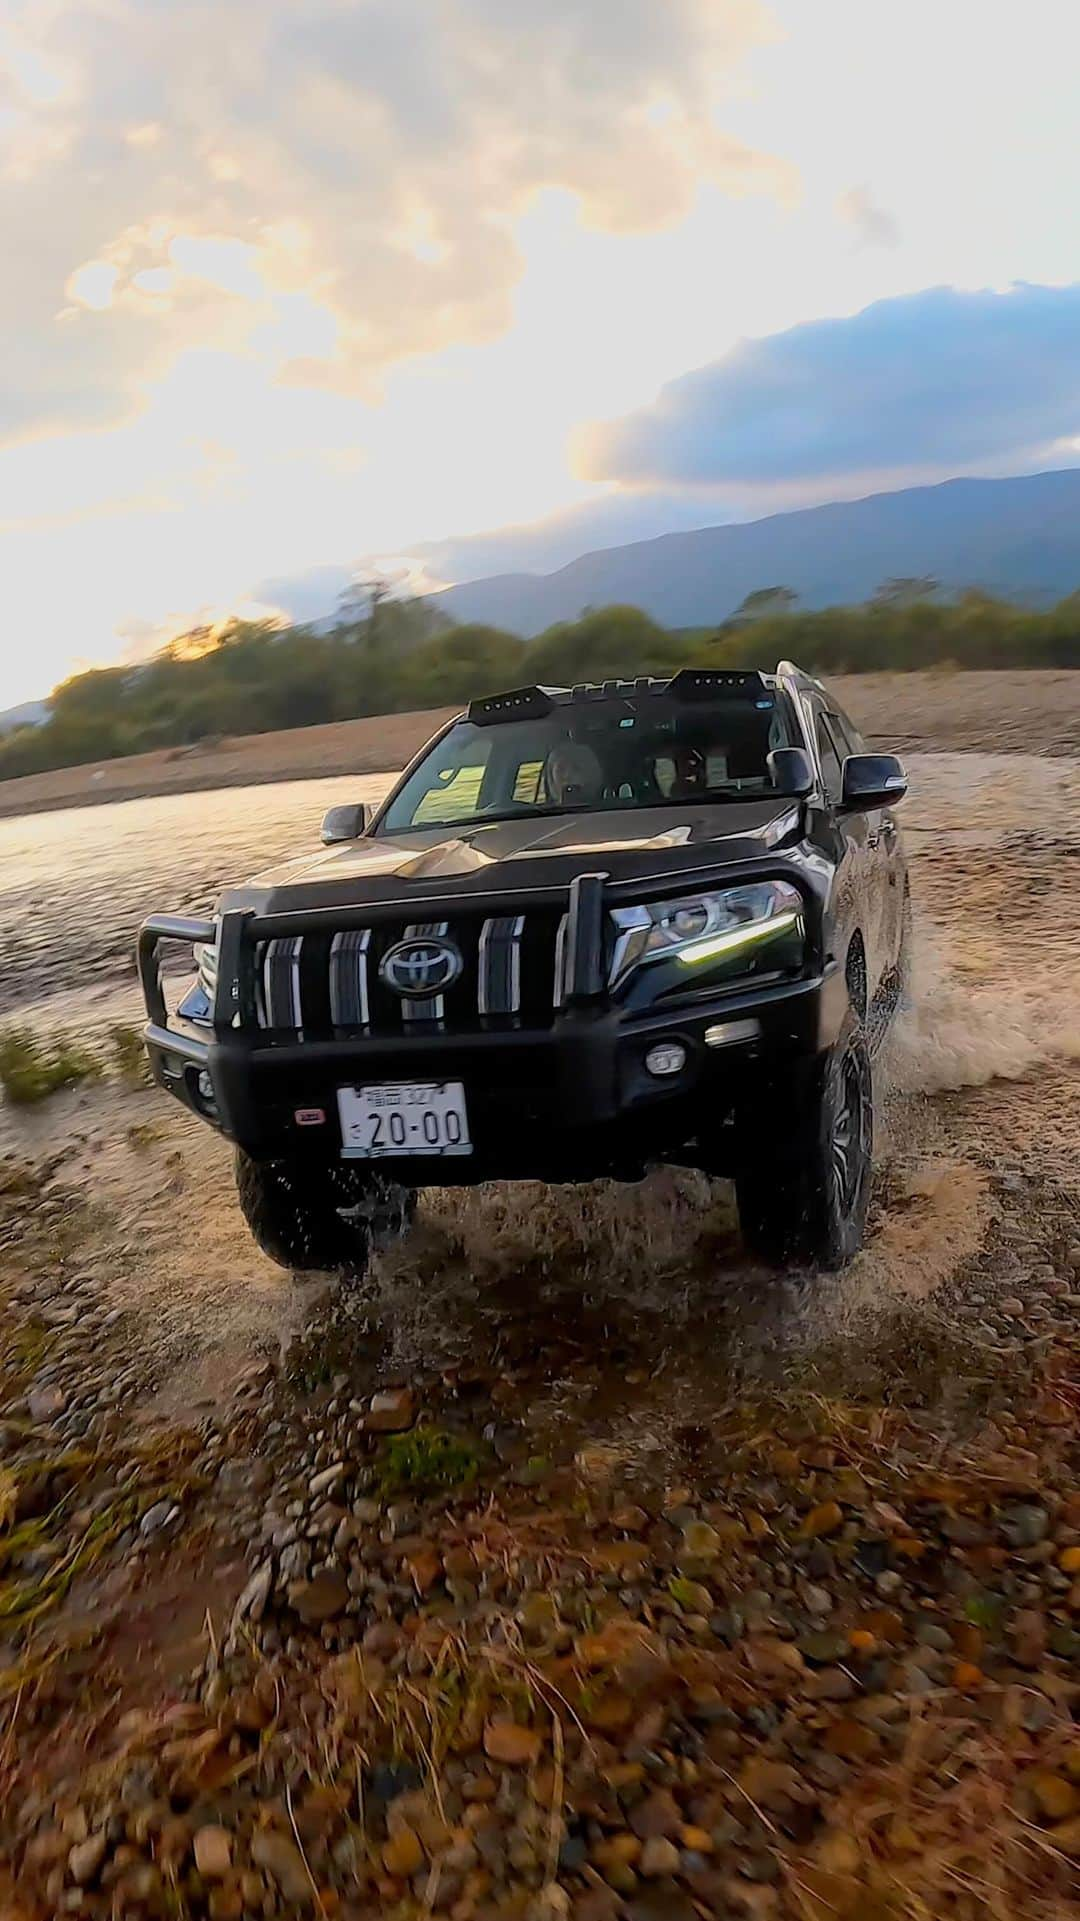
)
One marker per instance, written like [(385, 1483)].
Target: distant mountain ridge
[(1019, 538), (31, 714)]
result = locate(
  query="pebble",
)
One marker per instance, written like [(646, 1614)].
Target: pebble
[(212, 1848), (403, 1854), (930, 1635), (86, 1858), (508, 1742), (251, 1605), (322, 1482), (282, 1861), (46, 1403), (392, 1411), (1024, 1526), (823, 1520), (816, 1600), (157, 1517), (658, 1857), (320, 1599)]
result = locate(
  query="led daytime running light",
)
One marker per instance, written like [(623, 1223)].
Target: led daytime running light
[(734, 938)]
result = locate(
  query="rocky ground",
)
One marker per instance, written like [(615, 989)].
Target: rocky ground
[(569, 1566)]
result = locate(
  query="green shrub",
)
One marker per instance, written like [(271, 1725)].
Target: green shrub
[(31, 1069)]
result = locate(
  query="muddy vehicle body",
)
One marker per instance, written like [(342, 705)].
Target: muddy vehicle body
[(590, 930)]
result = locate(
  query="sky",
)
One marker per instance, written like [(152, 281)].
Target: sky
[(292, 288)]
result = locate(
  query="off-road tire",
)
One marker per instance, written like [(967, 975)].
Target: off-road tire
[(804, 1203), (326, 1219)]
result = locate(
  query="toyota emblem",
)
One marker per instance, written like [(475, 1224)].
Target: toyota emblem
[(422, 967)]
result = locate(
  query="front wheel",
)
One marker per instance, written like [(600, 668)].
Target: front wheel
[(324, 1218), (807, 1206)]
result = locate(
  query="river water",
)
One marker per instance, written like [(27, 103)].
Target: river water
[(74, 886)]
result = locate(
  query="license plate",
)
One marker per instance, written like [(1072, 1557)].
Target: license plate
[(403, 1117)]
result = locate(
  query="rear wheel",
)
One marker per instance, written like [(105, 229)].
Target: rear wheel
[(807, 1206), (310, 1217)]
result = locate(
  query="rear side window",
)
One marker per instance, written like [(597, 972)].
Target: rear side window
[(830, 756)]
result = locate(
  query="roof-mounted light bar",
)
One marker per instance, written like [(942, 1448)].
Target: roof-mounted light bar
[(704, 683), (689, 684), (521, 703)]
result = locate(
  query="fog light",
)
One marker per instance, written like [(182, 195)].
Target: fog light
[(726, 1032), (205, 1085), (665, 1057)]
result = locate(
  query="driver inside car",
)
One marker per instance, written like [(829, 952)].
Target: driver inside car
[(573, 776)]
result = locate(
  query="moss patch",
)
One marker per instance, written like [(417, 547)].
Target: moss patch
[(427, 1459)]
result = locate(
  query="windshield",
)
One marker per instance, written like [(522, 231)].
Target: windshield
[(586, 756)]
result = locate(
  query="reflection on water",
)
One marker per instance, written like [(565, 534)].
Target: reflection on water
[(75, 885)]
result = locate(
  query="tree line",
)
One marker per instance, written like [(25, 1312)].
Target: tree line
[(389, 656)]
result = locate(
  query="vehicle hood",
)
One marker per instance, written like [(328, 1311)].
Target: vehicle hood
[(549, 851)]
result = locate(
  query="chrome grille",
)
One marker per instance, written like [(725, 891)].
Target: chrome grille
[(513, 970), (558, 985), (498, 987), (280, 1001), (349, 998)]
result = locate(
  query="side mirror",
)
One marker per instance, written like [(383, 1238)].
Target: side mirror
[(791, 771), (344, 823), (872, 781)]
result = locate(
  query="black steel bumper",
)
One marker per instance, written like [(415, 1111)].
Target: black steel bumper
[(571, 1100)]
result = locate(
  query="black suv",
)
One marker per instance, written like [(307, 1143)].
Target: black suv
[(591, 929)]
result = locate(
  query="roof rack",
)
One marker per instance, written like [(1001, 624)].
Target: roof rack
[(787, 670), (689, 684)]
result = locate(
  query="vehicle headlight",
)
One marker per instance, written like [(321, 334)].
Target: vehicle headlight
[(703, 927), (198, 1003)]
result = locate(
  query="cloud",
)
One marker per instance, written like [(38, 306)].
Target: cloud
[(177, 176), (940, 381), (873, 226)]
